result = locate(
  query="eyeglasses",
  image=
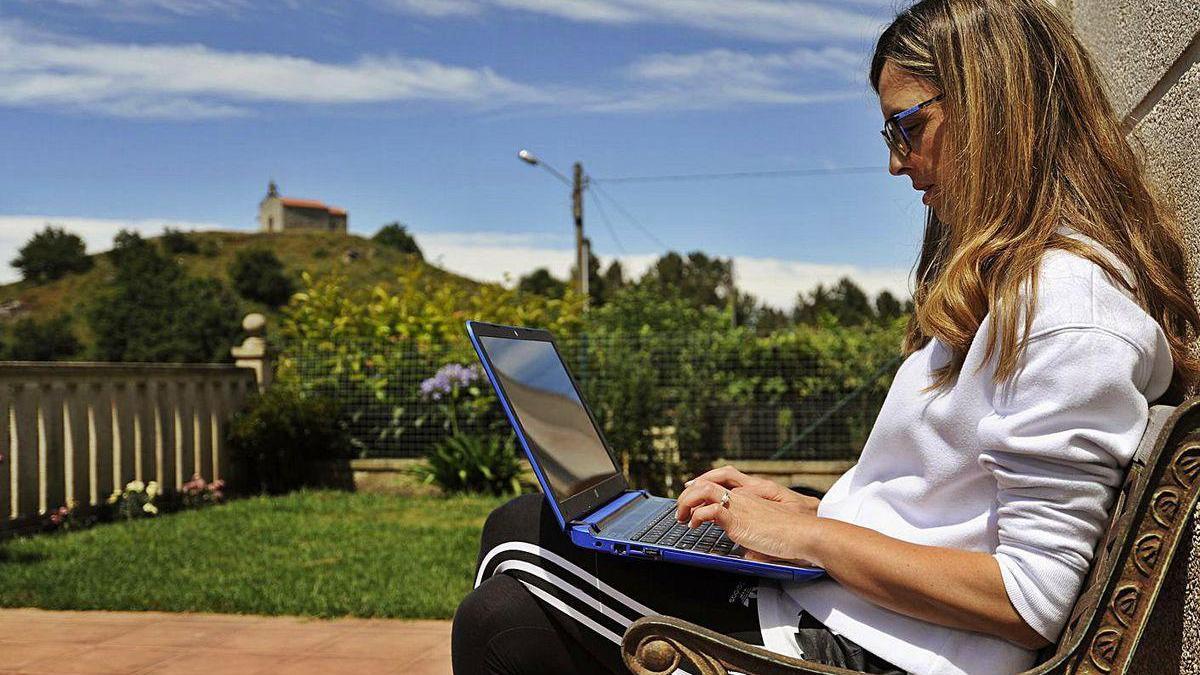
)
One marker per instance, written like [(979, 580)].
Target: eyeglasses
[(894, 133)]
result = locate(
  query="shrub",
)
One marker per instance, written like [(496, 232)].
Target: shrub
[(473, 463), (176, 242), (73, 516), (258, 275), (135, 501), (396, 236), (51, 254), (50, 340), (272, 440), (197, 492)]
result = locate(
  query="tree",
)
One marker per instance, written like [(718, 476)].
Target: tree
[(258, 275), (396, 235), (853, 307), (597, 290), (702, 281), (540, 281), (887, 307), (176, 242), (613, 280), (844, 301), (153, 311), (51, 340), (51, 254)]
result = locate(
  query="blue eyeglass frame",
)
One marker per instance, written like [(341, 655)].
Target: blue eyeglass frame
[(893, 125)]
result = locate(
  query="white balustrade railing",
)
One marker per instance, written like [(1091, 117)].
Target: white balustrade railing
[(75, 432)]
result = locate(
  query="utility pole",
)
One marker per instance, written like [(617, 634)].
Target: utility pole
[(731, 294), (582, 245), (581, 248)]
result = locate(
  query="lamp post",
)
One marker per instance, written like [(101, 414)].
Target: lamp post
[(578, 185)]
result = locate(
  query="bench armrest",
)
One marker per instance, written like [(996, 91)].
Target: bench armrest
[(656, 645)]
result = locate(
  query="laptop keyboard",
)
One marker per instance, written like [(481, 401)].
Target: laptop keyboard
[(664, 530)]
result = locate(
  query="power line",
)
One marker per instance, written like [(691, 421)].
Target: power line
[(607, 223), (636, 223), (744, 174)]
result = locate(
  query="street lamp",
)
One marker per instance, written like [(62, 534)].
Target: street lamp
[(578, 185)]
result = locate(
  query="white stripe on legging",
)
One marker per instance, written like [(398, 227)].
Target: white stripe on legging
[(542, 574), (571, 611), (578, 616), (567, 565), (559, 604)]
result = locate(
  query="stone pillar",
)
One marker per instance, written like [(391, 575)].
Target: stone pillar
[(253, 352)]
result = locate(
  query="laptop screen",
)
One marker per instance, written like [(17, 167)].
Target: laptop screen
[(559, 430)]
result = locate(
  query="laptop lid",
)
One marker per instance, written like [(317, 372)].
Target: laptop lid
[(574, 464)]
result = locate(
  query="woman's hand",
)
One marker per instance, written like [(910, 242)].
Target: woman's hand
[(731, 478), (768, 529)]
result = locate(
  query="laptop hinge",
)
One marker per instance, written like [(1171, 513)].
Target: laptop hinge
[(596, 526)]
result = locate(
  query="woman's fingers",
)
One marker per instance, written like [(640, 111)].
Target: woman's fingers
[(697, 494), (713, 512), (726, 475)]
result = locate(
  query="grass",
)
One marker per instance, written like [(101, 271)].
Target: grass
[(315, 553)]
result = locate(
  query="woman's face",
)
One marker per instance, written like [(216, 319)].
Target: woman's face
[(898, 91)]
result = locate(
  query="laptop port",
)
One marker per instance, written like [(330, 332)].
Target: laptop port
[(619, 548)]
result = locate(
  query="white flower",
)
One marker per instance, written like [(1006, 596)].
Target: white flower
[(152, 489), (150, 508), (135, 486)]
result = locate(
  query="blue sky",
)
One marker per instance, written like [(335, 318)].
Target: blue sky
[(150, 112)]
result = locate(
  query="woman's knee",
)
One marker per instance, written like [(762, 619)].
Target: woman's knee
[(516, 520)]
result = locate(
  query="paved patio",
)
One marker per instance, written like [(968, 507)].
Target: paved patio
[(125, 643)]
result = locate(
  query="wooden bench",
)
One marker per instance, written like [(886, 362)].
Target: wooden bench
[(1112, 619)]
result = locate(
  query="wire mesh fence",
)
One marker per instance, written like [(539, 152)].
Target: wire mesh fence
[(710, 398)]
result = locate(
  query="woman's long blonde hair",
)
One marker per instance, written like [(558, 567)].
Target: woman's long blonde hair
[(1033, 143)]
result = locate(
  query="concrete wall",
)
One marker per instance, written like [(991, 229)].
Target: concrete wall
[(297, 218), (1149, 51), (270, 216)]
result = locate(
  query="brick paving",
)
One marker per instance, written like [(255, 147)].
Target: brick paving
[(144, 643)]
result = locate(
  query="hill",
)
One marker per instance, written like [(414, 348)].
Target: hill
[(362, 262)]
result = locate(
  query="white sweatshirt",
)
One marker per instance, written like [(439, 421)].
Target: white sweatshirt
[(1026, 472)]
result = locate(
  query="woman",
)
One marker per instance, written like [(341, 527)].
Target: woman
[(1050, 311)]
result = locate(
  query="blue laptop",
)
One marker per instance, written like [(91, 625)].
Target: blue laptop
[(578, 471)]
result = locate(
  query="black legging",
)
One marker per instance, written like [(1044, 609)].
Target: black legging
[(543, 605)]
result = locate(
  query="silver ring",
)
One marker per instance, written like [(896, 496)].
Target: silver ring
[(725, 499)]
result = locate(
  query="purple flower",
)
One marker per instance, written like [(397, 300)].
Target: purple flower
[(447, 379)]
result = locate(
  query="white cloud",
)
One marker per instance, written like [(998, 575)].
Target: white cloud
[(47, 71), (500, 258), (97, 233), (188, 81), (769, 20), (719, 78), (433, 8), (151, 11)]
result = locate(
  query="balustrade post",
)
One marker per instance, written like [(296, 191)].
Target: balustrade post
[(253, 352)]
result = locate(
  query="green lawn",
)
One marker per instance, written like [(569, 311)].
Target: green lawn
[(309, 553)]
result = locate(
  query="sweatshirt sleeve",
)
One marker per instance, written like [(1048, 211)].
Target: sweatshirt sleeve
[(1058, 442)]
